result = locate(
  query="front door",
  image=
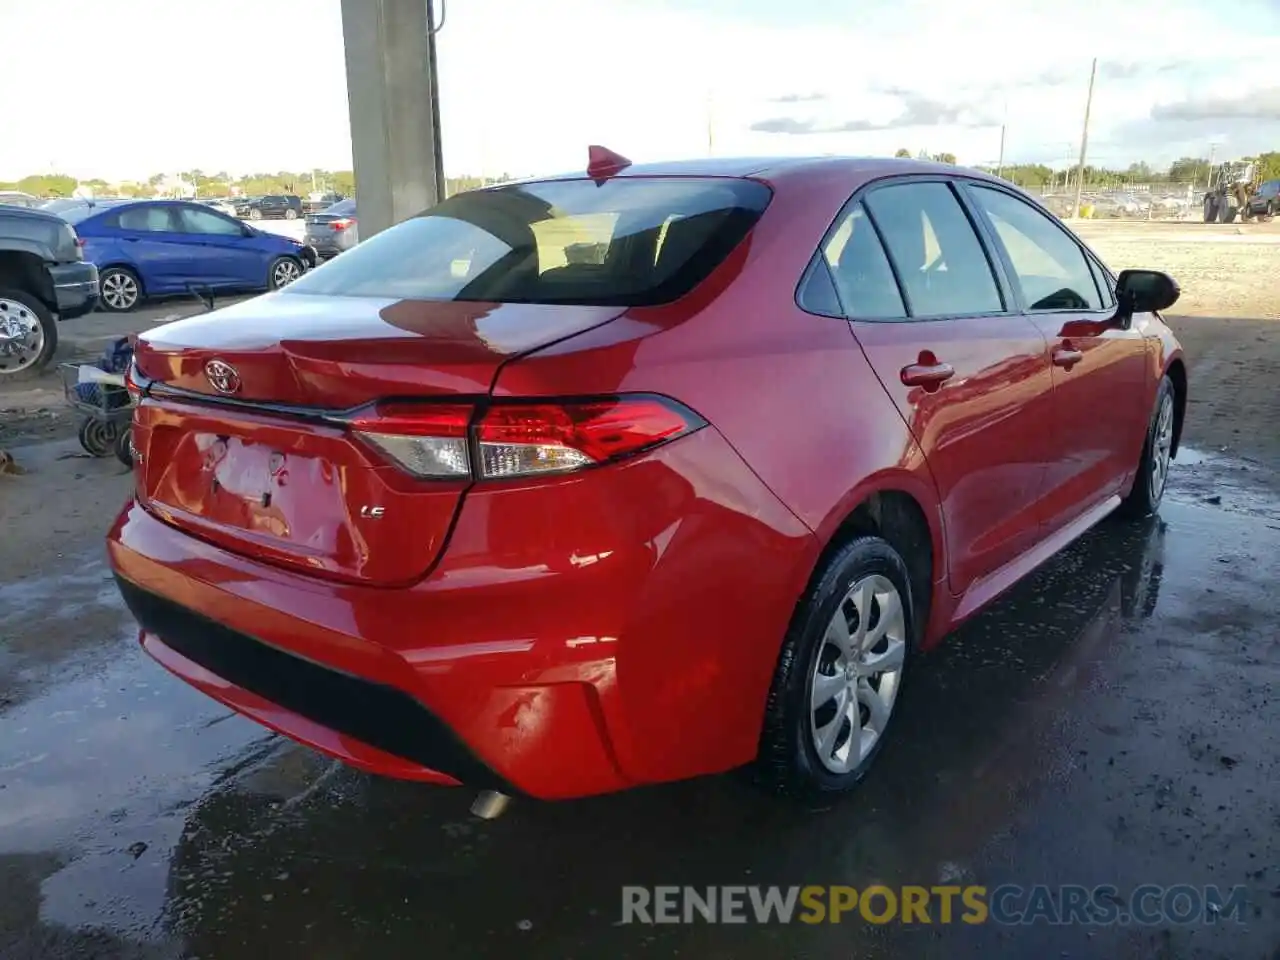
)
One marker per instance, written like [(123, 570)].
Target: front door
[(1099, 367), (968, 374), (221, 254)]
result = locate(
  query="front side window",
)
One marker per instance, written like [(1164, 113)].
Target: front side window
[(630, 241), (940, 260), (202, 221), (860, 270), (1048, 265)]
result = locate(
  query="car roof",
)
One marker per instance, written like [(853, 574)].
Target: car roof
[(779, 168)]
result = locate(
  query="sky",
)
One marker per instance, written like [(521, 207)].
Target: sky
[(121, 89)]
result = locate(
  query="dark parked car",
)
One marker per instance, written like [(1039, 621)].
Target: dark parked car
[(1266, 199), (334, 230), (323, 203), (43, 278), (274, 207), (153, 248), (460, 507)]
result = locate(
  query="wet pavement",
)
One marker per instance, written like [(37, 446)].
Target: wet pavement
[(1116, 719)]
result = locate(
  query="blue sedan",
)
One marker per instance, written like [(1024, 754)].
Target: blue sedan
[(153, 248)]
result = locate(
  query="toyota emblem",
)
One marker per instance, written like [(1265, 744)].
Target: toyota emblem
[(222, 376)]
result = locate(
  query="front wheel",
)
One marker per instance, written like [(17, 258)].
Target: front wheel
[(28, 333), (1152, 476), (284, 271), (255, 214), (840, 673), (291, 214)]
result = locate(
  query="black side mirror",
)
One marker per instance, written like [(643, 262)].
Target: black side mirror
[(1145, 291)]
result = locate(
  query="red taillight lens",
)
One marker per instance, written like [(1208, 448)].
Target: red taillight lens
[(520, 439), (340, 225), (131, 382)]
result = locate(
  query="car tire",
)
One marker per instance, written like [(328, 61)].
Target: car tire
[(822, 682), (1152, 476), (124, 445), (284, 270), (255, 214), (291, 214), (26, 307), (119, 290)]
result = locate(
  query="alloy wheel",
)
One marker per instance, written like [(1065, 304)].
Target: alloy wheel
[(119, 290), (1161, 449), (21, 336), (857, 674), (285, 272)]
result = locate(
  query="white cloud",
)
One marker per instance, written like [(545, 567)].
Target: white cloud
[(134, 87)]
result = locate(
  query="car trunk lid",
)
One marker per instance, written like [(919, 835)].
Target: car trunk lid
[(264, 463)]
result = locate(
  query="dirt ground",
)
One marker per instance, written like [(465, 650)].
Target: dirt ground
[(1228, 319)]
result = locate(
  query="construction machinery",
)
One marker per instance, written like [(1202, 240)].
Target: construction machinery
[(1230, 186)]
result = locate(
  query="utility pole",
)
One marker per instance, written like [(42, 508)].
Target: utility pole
[(394, 140), (1000, 162), (711, 136), (1084, 136), (433, 91)]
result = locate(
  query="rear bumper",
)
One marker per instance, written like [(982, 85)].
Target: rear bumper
[(75, 288), (575, 638)]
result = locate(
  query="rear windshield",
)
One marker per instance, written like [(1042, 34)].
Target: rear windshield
[(343, 208), (626, 242)]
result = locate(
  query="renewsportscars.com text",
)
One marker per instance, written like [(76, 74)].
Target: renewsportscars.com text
[(877, 904)]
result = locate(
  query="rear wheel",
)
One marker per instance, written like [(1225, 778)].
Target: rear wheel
[(1157, 454), (255, 214), (839, 675), (119, 289), (291, 214), (28, 333)]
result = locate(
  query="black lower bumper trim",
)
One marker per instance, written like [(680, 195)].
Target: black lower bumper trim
[(375, 714)]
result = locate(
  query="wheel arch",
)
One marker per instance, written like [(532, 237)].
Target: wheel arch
[(116, 264), (26, 271), (906, 515), (1176, 371)]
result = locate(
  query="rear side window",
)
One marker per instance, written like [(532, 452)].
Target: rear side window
[(861, 272), (630, 241), (147, 219), (941, 262)]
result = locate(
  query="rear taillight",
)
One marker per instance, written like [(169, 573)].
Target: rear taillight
[(131, 382), (340, 225), (516, 439), (425, 440)]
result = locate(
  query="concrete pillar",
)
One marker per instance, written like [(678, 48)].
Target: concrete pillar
[(388, 95)]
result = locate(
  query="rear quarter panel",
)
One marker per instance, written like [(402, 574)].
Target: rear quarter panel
[(793, 396)]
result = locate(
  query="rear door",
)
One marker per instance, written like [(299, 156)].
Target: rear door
[(968, 374), (151, 237), (221, 254), (1099, 367)]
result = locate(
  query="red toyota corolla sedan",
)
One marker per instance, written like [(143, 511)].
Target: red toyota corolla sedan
[(575, 484)]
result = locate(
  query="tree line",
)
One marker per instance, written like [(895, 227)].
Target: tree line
[(1186, 170), (1193, 170), (216, 184)]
